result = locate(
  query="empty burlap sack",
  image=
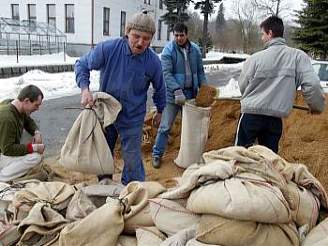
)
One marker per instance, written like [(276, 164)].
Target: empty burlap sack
[(9, 234), (56, 194), (79, 207), (213, 229), (205, 96), (102, 227), (149, 236), (170, 217), (194, 133), (181, 238), (41, 226), (137, 195), (124, 240), (318, 236), (241, 199), (86, 149)]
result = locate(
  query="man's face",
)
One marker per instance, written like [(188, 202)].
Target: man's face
[(29, 107), (180, 38), (266, 36), (139, 41)]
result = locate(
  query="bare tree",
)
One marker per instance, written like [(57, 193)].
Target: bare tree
[(272, 7), (245, 13)]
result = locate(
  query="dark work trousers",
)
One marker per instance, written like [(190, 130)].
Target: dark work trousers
[(266, 129)]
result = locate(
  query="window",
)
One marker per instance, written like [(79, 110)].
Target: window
[(106, 17), (160, 4), (159, 30), (69, 18), (15, 11), (123, 21), (147, 2), (31, 12), (51, 14)]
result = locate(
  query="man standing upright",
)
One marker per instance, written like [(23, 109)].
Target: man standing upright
[(127, 67), (268, 83), (16, 158), (183, 74)]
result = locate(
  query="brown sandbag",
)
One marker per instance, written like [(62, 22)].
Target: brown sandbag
[(137, 195), (214, 229), (170, 217), (85, 148), (318, 236), (41, 226), (149, 236), (79, 207), (102, 227)]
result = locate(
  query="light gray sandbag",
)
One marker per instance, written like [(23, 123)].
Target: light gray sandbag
[(194, 134), (170, 217), (181, 238), (318, 236), (214, 229), (149, 236), (85, 148), (124, 240)]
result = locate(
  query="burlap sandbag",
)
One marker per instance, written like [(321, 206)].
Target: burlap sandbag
[(79, 207), (194, 133), (86, 149), (102, 227), (149, 236), (181, 238), (137, 195), (307, 207), (194, 242), (41, 226), (170, 217), (124, 240), (318, 236), (241, 199), (213, 229), (56, 194)]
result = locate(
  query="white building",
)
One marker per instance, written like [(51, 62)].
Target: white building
[(87, 22)]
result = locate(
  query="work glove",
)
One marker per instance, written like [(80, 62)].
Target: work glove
[(179, 97), (39, 148)]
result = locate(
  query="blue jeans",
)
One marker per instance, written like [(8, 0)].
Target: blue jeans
[(131, 138), (169, 114)]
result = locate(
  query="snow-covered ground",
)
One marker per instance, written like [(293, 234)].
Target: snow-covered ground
[(55, 85)]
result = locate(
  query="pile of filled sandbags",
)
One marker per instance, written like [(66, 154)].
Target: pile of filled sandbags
[(236, 197)]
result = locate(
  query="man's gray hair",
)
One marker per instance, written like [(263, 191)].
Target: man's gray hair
[(142, 22)]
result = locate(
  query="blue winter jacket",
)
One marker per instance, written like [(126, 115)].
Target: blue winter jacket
[(173, 65), (124, 76)]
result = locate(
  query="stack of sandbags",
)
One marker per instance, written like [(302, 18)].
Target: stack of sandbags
[(250, 197)]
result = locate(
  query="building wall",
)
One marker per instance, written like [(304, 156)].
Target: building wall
[(81, 39)]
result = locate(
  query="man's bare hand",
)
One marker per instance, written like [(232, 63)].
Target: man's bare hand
[(39, 148), (157, 119), (86, 98), (37, 138)]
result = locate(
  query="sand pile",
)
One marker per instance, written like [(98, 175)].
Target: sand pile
[(304, 140)]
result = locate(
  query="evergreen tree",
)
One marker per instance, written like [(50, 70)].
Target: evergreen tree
[(176, 12), (312, 36), (206, 7), (220, 20)]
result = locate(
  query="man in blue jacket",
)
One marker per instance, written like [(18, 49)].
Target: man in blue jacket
[(183, 74), (127, 66)]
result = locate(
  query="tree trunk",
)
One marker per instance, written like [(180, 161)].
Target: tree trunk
[(204, 45)]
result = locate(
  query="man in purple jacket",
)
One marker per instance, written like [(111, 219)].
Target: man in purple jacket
[(127, 67)]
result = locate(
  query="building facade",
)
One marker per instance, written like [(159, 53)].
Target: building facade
[(87, 22)]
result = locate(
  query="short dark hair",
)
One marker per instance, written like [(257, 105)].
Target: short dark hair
[(180, 27), (275, 24), (31, 92)]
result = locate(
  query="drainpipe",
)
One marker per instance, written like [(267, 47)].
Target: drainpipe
[(92, 22)]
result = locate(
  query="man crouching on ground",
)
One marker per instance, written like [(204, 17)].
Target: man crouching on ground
[(15, 158)]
